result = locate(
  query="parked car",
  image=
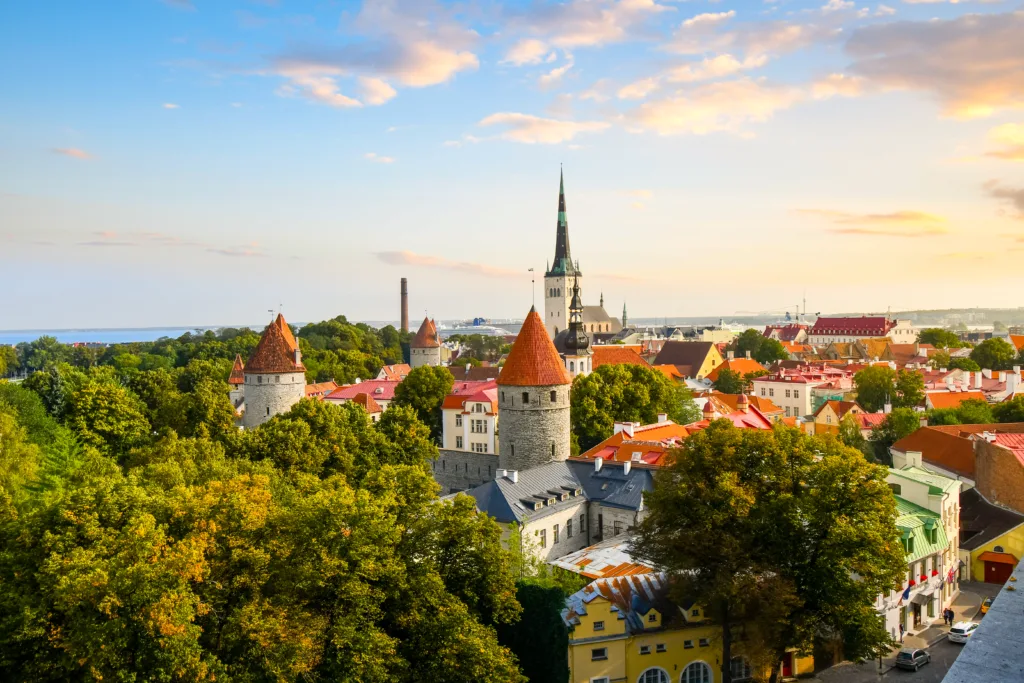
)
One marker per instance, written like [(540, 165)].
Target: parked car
[(962, 631), (912, 659), (986, 604)]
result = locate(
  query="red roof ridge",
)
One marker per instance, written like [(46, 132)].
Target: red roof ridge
[(237, 371), (533, 360), (426, 336), (276, 351)]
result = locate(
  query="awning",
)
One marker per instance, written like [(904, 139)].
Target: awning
[(920, 599), (1003, 558)]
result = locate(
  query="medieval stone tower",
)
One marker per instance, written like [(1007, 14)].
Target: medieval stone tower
[(558, 280), (533, 401), (425, 348), (275, 378)]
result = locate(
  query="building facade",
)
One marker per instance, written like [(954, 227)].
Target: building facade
[(578, 357), (469, 418)]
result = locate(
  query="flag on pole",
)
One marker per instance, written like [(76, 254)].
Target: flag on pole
[(906, 594)]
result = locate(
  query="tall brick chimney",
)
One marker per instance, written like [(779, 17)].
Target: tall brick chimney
[(405, 305)]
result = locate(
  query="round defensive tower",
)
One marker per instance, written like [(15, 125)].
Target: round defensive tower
[(275, 378), (425, 348)]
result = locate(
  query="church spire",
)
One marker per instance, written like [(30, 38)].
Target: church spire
[(624, 318), (563, 264)]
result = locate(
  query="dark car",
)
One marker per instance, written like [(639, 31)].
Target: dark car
[(912, 659)]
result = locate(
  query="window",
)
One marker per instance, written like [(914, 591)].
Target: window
[(600, 524), (572, 367), (602, 679), (896, 489), (653, 676), (598, 653), (740, 668), (616, 528), (697, 672), (787, 411), (526, 398), (703, 642), (695, 612), (543, 538), (478, 426), (645, 649), (554, 534), (796, 393), (259, 379), (828, 419), (771, 392), (458, 420), (277, 379), (583, 523), (598, 625), (688, 644), (762, 391), (552, 449), (568, 529), (554, 395), (458, 442), (787, 393), (479, 448), (268, 410), (503, 397), (660, 647), (652, 617)]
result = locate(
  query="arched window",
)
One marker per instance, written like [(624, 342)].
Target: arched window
[(571, 366), (654, 675), (697, 672), (740, 668)]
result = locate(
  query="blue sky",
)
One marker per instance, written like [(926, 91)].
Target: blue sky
[(175, 162)]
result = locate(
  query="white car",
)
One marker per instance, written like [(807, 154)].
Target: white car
[(962, 631)]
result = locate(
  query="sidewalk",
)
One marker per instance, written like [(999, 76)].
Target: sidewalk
[(965, 606)]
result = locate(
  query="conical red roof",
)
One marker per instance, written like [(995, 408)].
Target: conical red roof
[(533, 360), (276, 351), (426, 337), (237, 372)]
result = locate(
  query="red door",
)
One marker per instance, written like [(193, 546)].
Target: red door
[(997, 572), (787, 665)]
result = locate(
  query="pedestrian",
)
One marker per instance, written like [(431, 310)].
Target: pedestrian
[(901, 631), (950, 615)]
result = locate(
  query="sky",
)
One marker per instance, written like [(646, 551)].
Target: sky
[(198, 162)]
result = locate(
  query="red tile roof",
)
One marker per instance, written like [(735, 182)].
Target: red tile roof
[(877, 326), (533, 360), (765, 405), (237, 371), (380, 389), (275, 352), (367, 402), (617, 354), (743, 366), (396, 372), (652, 442), (952, 399), (320, 388), (950, 446), (869, 420), (426, 337), (1018, 341), (785, 333), (1012, 442), (474, 392)]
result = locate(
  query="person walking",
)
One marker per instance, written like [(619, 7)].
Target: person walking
[(901, 631)]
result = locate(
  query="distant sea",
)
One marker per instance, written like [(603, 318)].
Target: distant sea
[(113, 336)]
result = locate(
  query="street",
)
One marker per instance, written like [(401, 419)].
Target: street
[(943, 654)]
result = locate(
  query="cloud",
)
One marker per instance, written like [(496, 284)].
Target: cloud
[(1012, 195), (598, 92), (170, 105), (237, 252), (108, 243), (526, 51), (638, 90), (534, 129), (715, 107), (1010, 137), (319, 88), (586, 23), (373, 156), (835, 85), (709, 19), (409, 258), (894, 224), (973, 64), (374, 91), (555, 75), (715, 33), (72, 152), (713, 67), (884, 11), (836, 6)]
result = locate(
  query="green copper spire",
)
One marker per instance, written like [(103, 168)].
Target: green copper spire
[(562, 264), (624, 318)]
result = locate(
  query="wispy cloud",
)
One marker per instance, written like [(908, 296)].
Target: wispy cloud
[(171, 105), (586, 23), (1014, 196), (1010, 138), (373, 156), (526, 51), (409, 258), (905, 223), (72, 152), (531, 129), (375, 91), (555, 75)]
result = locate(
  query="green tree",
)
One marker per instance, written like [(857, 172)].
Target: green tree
[(761, 495), (998, 326), (540, 638), (424, 390), (939, 338), (909, 389), (107, 416), (974, 411), (1009, 411), (875, 386), (994, 354), (729, 382), (899, 423), (8, 360), (408, 439), (624, 393), (761, 348)]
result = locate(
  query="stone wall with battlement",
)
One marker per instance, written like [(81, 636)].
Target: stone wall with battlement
[(462, 470)]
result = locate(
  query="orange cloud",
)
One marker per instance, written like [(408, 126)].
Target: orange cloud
[(73, 152), (893, 224), (1010, 137), (409, 258)]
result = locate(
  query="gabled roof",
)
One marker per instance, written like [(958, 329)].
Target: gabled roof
[(914, 520), (426, 336), (275, 352), (320, 388), (651, 442), (474, 373), (869, 420), (764, 405), (684, 353), (397, 372), (616, 354), (952, 399), (1018, 341), (237, 371), (609, 558), (379, 389), (367, 402), (785, 333), (840, 408), (533, 360), (632, 597), (981, 521), (471, 392), (743, 366)]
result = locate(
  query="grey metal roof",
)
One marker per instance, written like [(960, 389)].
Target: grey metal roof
[(981, 521), (995, 653), (507, 502)]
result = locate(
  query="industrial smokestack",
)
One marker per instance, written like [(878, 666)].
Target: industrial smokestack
[(405, 305)]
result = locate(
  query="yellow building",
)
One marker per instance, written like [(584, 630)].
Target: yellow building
[(831, 413), (625, 629), (992, 539), (691, 358)]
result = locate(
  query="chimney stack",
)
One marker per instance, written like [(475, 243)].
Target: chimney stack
[(405, 305), (597, 464), (626, 466)]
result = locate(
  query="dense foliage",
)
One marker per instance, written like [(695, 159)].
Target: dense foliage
[(781, 537), (142, 537), (762, 349), (940, 338), (624, 393), (878, 384), (423, 390), (994, 354)]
